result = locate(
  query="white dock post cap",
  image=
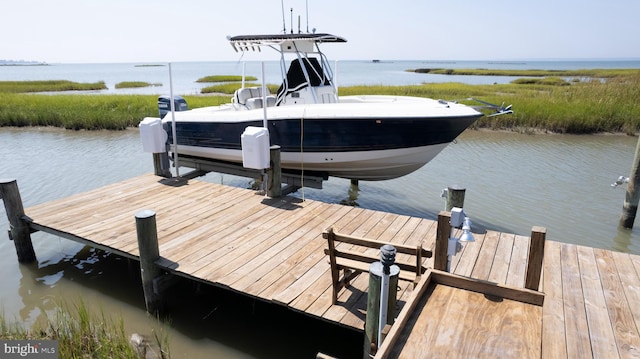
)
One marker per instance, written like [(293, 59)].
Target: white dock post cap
[(145, 213)]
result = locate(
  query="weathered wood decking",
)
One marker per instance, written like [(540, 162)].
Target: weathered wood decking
[(272, 249)]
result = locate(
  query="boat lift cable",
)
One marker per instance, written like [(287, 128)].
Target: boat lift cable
[(304, 110)]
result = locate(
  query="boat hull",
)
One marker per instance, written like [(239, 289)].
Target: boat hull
[(357, 140)]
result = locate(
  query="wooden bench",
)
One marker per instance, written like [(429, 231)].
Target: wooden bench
[(353, 262)]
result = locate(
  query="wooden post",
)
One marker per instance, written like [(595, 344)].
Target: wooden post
[(19, 231), (161, 165), (149, 253), (455, 197), (630, 206), (274, 188), (442, 241), (371, 341), (536, 254)]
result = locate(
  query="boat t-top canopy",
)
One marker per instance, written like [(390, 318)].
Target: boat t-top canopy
[(309, 73), (286, 42)]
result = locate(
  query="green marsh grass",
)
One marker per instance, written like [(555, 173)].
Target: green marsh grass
[(48, 86), (587, 106), (584, 107), (591, 73), (225, 78), (86, 112), (81, 333), (134, 84)]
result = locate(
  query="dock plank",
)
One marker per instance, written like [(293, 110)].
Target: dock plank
[(197, 241), (258, 273), (553, 328), (502, 259), (243, 238), (625, 330), (576, 325), (630, 280), (247, 251), (469, 257), (484, 261), (603, 343), (296, 266), (518, 263)]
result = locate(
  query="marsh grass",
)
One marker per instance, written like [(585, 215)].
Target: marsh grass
[(225, 78), (48, 86), (587, 106), (591, 73), (111, 112), (135, 84), (583, 107), (87, 112), (81, 333), (552, 81)]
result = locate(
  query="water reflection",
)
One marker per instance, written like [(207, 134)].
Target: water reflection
[(352, 199), (622, 241)]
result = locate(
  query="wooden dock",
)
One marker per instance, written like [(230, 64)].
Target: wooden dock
[(273, 250)]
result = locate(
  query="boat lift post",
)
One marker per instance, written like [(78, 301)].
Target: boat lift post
[(265, 173), (173, 124)]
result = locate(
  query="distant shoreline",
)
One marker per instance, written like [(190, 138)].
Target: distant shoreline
[(23, 63)]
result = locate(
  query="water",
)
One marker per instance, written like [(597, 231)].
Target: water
[(513, 182), (348, 73)]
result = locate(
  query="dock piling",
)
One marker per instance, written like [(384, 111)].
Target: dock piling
[(19, 231), (632, 197), (149, 252), (161, 165), (375, 301), (455, 197), (536, 254), (440, 257), (274, 187)]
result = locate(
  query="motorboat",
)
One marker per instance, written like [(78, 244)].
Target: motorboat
[(368, 137)]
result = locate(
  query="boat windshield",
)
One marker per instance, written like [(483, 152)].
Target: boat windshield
[(303, 72)]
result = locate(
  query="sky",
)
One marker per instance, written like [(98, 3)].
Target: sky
[(92, 31)]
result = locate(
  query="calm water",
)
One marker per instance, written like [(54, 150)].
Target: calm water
[(513, 182), (348, 73)]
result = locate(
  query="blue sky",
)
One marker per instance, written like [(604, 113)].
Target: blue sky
[(89, 31)]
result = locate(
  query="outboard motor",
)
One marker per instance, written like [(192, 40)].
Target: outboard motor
[(164, 104)]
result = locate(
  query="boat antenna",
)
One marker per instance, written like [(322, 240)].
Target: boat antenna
[(292, 20), (307, 9), (284, 24)]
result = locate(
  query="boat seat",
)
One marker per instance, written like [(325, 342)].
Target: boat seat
[(242, 95), (256, 102), (251, 97)]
